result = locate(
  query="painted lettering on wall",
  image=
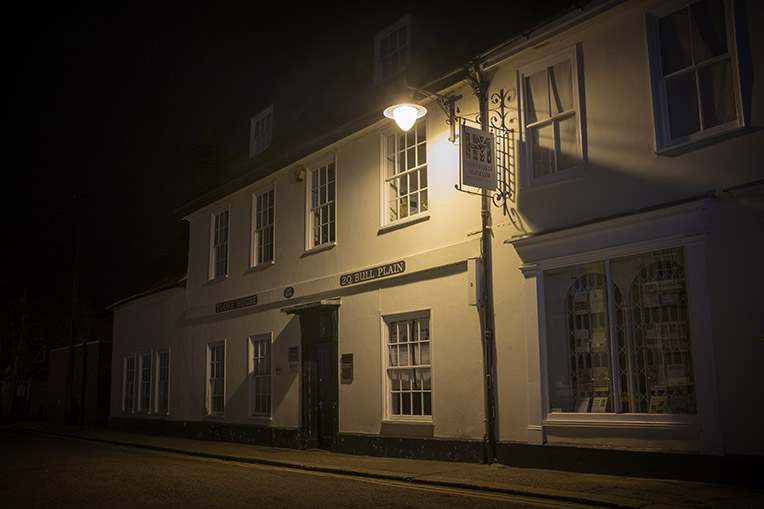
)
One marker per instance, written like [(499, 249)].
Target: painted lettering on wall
[(230, 305), (389, 269)]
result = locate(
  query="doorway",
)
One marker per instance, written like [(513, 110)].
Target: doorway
[(319, 377)]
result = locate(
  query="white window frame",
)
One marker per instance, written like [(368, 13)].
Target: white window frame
[(157, 386), (257, 259), (682, 225), (128, 383), (312, 173), (214, 244), (388, 388), (209, 380), (418, 149), (264, 378), (144, 386), (404, 56), (528, 179), (663, 141), (261, 131)]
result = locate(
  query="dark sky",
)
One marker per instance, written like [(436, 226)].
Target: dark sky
[(107, 106)]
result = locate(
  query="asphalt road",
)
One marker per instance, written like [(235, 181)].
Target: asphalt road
[(47, 471)]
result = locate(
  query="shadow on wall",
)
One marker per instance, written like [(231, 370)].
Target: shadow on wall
[(284, 369)]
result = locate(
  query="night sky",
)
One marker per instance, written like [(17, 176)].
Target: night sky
[(107, 106)]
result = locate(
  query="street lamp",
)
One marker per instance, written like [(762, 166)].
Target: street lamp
[(405, 115)]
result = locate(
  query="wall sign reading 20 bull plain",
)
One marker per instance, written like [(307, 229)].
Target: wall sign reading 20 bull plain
[(375, 273)]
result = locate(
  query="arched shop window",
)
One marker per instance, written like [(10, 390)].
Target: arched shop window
[(662, 374), (609, 355)]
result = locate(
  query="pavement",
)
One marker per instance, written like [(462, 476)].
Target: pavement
[(551, 485)]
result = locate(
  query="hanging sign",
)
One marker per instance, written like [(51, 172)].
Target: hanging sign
[(478, 158)]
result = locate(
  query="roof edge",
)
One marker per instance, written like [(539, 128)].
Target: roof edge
[(179, 282)]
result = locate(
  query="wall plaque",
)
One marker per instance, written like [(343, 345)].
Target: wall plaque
[(389, 269), (346, 368), (230, 305), (293, 357)]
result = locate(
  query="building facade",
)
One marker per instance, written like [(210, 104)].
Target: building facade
[(331, 295)]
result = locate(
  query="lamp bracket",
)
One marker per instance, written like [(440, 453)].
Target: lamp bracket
[(446, 102)]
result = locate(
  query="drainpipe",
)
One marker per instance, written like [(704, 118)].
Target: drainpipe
[(480, 88)]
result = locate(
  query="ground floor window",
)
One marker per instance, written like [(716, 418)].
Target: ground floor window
[(618, 337), (215, 378), (409, 372), (162, 397), (260, 374), (128, 391), (145, 384)]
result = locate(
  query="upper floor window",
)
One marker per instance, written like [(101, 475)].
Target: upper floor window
[(262, 227), (392, 49), (219, 245), (405, 188), (322, 204), (261, 131), (696, 92), (551, 125)]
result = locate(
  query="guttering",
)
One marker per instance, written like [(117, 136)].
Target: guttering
[(538, 33)]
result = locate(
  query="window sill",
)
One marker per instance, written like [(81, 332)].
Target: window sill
[(403, 223), (610, 420), (215, 416), (263, 420), (319, 249), (407, 428), (697, 142), (216, 280), (259, 267), (565, 175)]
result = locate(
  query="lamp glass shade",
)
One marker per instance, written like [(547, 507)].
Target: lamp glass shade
[(405, 115)]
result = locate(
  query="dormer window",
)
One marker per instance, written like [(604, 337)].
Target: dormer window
[(392, 49), (261, 131)]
